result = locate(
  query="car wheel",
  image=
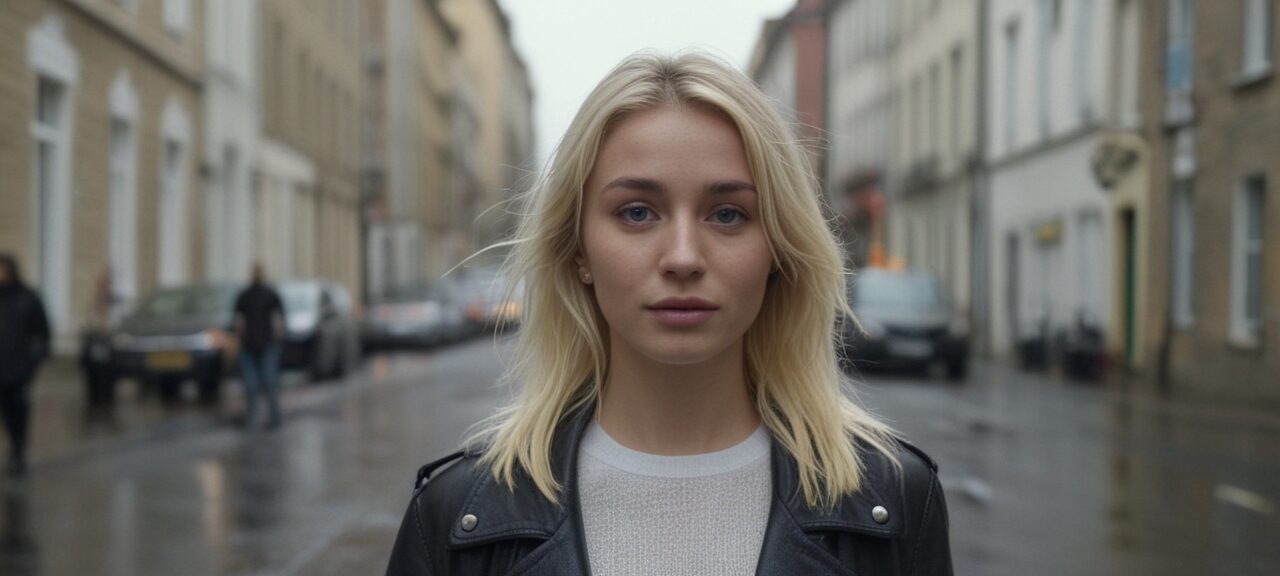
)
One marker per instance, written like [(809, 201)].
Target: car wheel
[(209, 387), (957, 370), (170, 389)]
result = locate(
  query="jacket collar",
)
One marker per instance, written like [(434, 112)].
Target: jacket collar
[(524, 513)]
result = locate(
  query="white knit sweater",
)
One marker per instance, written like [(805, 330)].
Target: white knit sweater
[(645, 514)]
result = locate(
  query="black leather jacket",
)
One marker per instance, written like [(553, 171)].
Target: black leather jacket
[(462, 522)]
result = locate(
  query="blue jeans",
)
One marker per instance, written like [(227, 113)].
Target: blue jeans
[(261, 372)]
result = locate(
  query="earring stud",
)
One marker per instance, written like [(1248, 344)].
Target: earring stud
[(586, 276)]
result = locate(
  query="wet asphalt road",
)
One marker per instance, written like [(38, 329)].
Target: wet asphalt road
[(1041, 477)]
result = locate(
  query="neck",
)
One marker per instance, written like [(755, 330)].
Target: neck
[(676, 410)]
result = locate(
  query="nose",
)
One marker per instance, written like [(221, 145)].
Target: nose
[(682, 255)]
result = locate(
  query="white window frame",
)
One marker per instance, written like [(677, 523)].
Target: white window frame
[(1256, 39), (1183, 242), (122, 193), (171, 213), (1250, 199), (1012, 34), (51, 56)]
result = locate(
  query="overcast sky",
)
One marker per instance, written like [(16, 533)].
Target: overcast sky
[(569, 45)]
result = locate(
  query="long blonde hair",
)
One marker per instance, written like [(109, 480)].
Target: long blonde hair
[(561, 358)]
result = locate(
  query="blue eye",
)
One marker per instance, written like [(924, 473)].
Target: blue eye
[(729, 216), (635, 214)]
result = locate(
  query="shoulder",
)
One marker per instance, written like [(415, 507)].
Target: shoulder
[(441, 489), (924, 509)]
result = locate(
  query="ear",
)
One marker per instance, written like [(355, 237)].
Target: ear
[(580, 260)]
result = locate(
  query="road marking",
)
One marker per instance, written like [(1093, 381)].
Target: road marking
[(1244, 499), (970, 487)]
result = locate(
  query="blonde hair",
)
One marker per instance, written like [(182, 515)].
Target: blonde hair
[(561, 356)]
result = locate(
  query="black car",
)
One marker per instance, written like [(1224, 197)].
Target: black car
[(322, 331), (175, 335), (906, 320)]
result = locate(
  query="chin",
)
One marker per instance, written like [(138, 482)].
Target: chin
[(674, 352)]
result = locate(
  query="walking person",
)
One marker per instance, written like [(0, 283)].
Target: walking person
[(259, 324), (680, 409), (24, 343)]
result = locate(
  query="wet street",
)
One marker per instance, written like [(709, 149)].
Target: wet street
[(1042, 477)]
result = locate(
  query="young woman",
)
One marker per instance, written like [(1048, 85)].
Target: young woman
[(680, 408)]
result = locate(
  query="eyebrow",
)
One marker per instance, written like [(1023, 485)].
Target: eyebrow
[(651, 185)]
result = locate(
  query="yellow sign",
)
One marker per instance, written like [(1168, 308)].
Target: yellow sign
[(1048, 233)]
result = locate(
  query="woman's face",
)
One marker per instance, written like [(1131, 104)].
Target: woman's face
[(672, 236)]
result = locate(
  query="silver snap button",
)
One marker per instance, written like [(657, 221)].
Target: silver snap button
[(469, 522), (879, 514)]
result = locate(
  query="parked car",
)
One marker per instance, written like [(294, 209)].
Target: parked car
[(175, 335), (322, 331), (907, 320), (487, 306), (417, 318)]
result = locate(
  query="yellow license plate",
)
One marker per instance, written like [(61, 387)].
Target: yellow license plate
[(169, 360)]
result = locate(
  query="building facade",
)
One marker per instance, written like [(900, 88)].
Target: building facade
[(411, 69), (935, 167), (100, 103), (861, 113), (503, 105), (233, 123), (306, 198), (1211, 111), (788, 65), (1053, 92)]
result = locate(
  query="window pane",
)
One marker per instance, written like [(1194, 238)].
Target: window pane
[(1253, 288), (48, 97)]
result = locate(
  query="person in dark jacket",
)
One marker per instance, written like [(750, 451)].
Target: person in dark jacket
[(24, 343), (680, 406), (259, 324)]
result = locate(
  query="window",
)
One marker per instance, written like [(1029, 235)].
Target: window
[(1246, 262), (1011, 85), (935, 109), (957, 99), (1178, 45), (1084, 59), (1049, 18), (49, 140), (1257, 38), (172, 216), (123, 207), (175, 16), (1184, 244)]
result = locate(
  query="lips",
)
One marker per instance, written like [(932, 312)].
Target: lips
[(682, 312)]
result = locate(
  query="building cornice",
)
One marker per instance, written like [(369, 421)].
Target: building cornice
[(166, 59)]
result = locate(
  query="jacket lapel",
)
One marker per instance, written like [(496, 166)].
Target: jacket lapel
[(788, 545), (524, 513)]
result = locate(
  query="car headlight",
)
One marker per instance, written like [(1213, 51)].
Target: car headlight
[(207, 340), (301, 322)]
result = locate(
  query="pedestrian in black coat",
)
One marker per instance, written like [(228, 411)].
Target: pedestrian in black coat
[(24, 343)]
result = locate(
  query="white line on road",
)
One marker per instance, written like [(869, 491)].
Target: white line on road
[(1244, 499)]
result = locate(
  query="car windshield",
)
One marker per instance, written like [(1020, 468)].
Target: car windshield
[(187, 302), (879, 289), (300, 297)]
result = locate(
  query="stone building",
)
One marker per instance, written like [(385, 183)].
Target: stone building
[(411, 113), (503, 105), (306, 195), (1211, 112), (934, 174), (861, 114), (99, 109)]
